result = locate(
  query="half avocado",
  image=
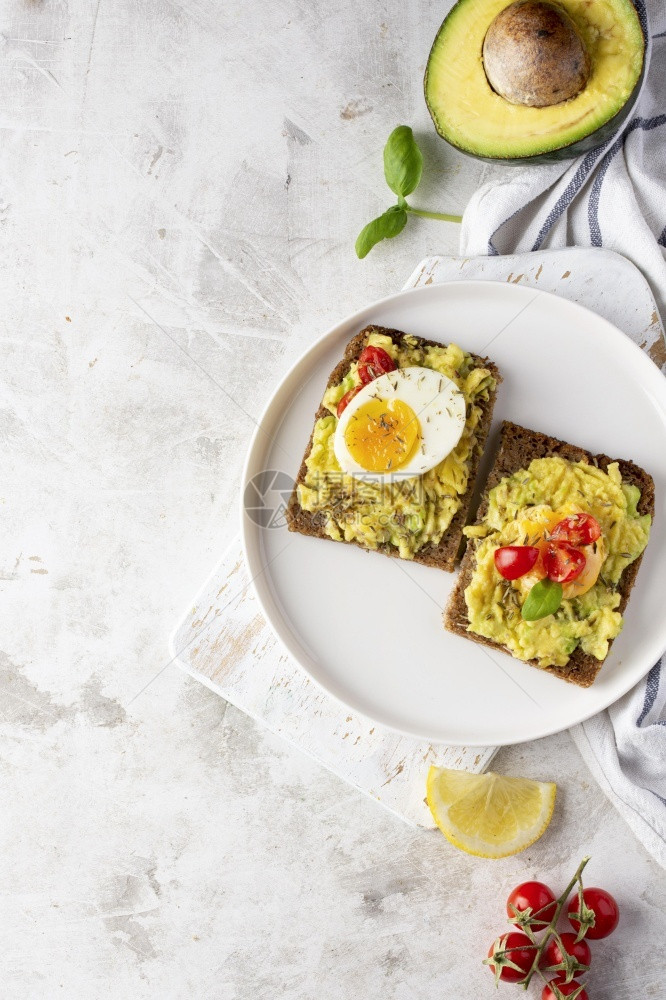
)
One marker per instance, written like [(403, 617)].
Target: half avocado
[(534, 81)]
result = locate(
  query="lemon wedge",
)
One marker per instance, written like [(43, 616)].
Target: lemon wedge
[(489, 814)]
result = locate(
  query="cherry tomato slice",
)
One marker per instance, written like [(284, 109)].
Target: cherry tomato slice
[(512, 561), (552, 953), (605, 909), (373, 362), (347, 398), (518, 949), (579, 529), (566, 989), (562, 562), (536, 897)]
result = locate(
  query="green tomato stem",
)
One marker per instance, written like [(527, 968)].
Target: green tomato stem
[(431, 215), (550, 929)]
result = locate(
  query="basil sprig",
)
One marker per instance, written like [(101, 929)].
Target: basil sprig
[(543, 599), (403, 166)]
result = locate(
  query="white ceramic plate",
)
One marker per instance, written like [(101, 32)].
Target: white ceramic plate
[(368, 628)]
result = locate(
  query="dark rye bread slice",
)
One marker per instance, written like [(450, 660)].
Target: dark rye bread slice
[(518, 447), (443, 555)]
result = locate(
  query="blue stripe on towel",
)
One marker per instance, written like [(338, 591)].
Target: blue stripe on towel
[(646, 125), (651, 691), (568, 195)]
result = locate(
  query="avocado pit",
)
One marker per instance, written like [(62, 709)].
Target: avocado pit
[(534, 56)]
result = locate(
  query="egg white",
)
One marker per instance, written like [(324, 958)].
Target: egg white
[(437, 402)]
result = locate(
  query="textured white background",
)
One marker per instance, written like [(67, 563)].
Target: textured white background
[(180, 188)]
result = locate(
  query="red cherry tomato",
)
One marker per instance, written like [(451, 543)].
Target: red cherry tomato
[(605, 909), (512, 561), (579, 529), (347, 398), (552, 953), (565, 988), (534, 896), (517, 948), (562, 562), (373, 362)]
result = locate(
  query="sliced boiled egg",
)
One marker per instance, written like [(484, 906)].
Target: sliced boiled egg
[(401, 424)]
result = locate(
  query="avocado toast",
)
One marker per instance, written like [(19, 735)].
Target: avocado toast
[(537, 484), (421, 517)]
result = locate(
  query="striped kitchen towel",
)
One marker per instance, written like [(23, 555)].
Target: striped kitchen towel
[(625, 749), (613, 197)]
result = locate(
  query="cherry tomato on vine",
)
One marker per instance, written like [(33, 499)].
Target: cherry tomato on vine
[(373, 362), (513, 561), (534, 896), (567, 989), (517, 948), (579, 529), (347, 398), (562, 562), (552, 953), (605, 909)]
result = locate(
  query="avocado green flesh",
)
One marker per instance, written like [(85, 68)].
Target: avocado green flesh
[(591, 620), (408, 514), (471, 116)]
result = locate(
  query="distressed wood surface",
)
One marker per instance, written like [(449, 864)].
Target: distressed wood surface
[(226, 643), (599, 279)]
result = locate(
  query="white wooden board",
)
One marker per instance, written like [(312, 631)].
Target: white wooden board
[(224, 641)]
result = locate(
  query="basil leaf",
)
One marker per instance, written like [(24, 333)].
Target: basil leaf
[(543, 599), (403, 162), (385, 227)]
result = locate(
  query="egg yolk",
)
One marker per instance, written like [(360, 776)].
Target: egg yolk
[(383, 434)]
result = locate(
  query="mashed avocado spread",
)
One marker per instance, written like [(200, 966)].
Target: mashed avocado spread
[(589, 621), (406, 514)]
